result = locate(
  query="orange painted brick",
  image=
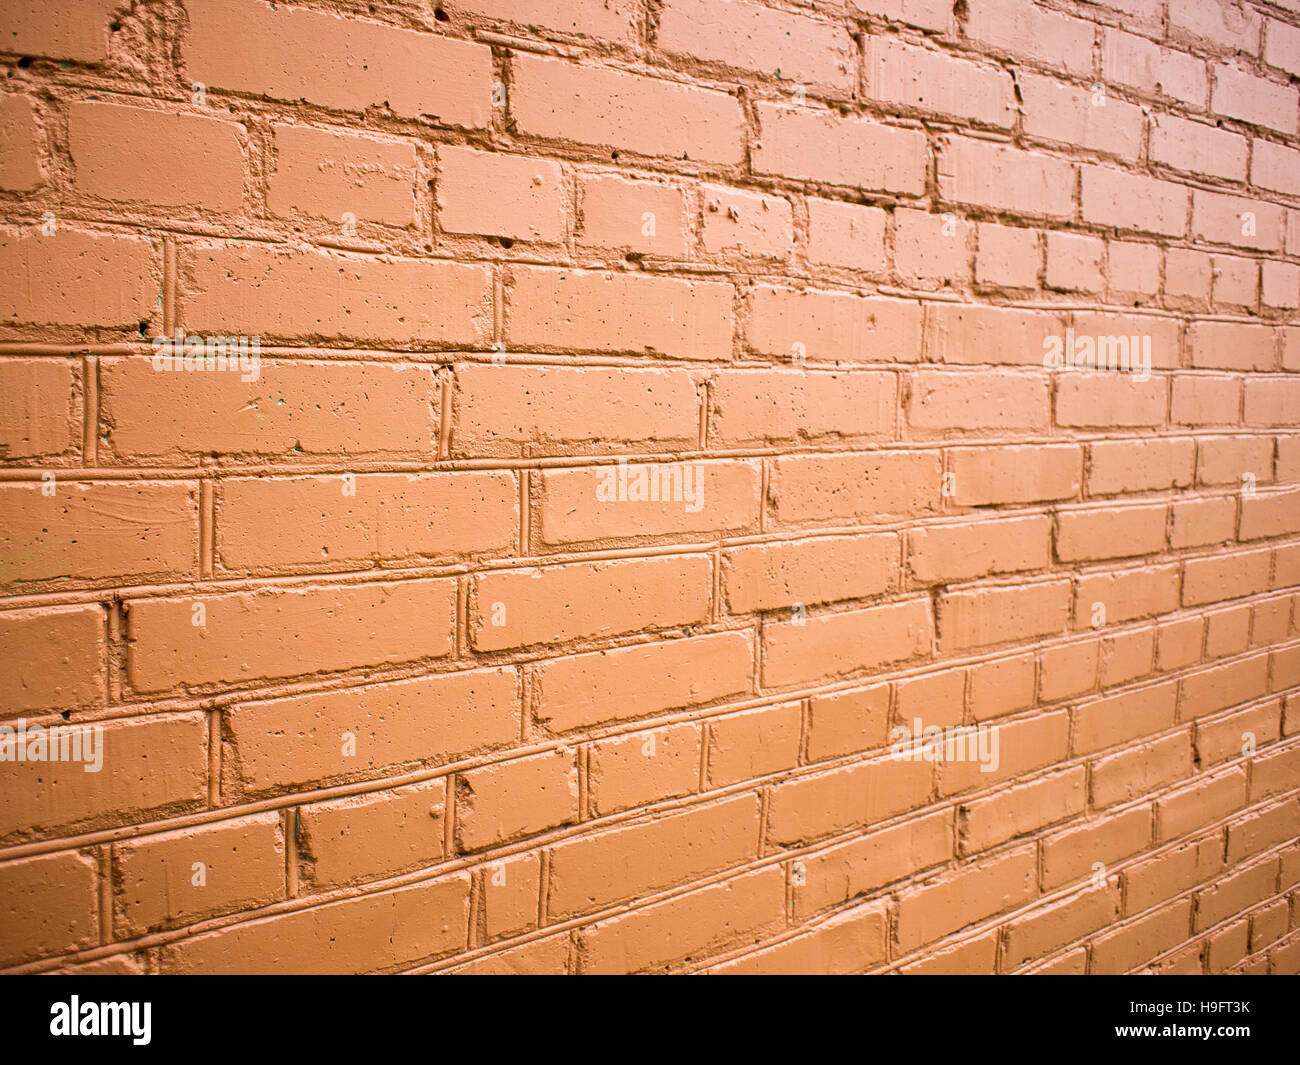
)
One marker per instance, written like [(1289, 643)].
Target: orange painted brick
[(1047, 36), (846, 235), (753, 744), (1128, 774), (816, 325), (1071, 853), (1192, 809), (1000, 687), (1271, 402), (511, 889), (653, 938), (1062, 922), (486, 814), (64, 29), (241, 636), (332, 173), (747, 223), (1275, 772), (610, 20), (259, 291), (1263, 830), (971, 957), (902, 76), (1126, 656), (1157, 879), (847, 722), (510, 410), (1218, 218), (426, 920), (639, 768), (205, 158), (1139, 941), (527, 194), (182, 877), (765, 406), (853, 796), (1023, 746), (51, 906), (1110, 400), (819, 145), (1129, 201), (847, 943), (1231, 346), (554, 99), (1004, 255), (346, 64), (1023, 474), (1017, 811), (38, 414), (148, 764), (79, 278), (55, 659), (377, 834), (74, 533), (630, 682), (593, 871), (1235, 893), (1116, 466), (989, 614), (21, 165), (1086, 533), (1205, 400), (1248, 98), (1067, 669), (612, 312), (298, 739), (876, 485), (935, 698), (293, 409), (539, 957), (941, 553), (1055, 111), (986, 174), (939, 401), (1226, 460), (1236, 734), (1228, 576), (970, 894), (641, 216), (827, 645), (1198, 148), (516, 608), (1136, 62), (767, 576), (364, 518), (752, 37), (1125, 595), (1270, 514)]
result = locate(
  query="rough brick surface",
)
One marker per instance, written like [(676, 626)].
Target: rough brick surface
[(729, 486)]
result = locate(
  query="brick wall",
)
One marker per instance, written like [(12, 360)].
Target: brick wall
[(643, 426)]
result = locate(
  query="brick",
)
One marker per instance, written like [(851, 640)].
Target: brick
[(1236, 282), (182, 877), (974, 957), (1087, 400), (1117, 466), (370, 518), (630, 682), (1125, 595), (818, 145), (21, 143), (1017, 811), (868, 486), (293, 408), (1198, 148), (50, 907), (1071, 853), (1088, 533), (847, 722), (64, 29), (857, 795), (1120, 719), (1138, 63), (1187, 276), (1270, 514), (76, 533), (152, 764), (295, 740), (1211, 580), (931, 247), (1261, 831), (379, 834), (553, 99), (486, 814), (1127, 201), (961, 334), (1055, 111), (521, 410), (1275, 772), (835, 326), (1197, 522), (1279, 286), (1275, 167), (345, 64), (1024, 746), (902, 76), (828, 645), (427, 919), (1236, 27), (540, 957), (1208, 400), (753, 744), (511, 889), (765, 406), (39, 413), (752, 37), (747, 223), (1218, 218), (1062, 922), (1231, 346), (610, 21), (79, 278), (1271, 402), (992, 614), (1074, 263), (1067, 669), (286, 632), (639, 768), (845, 944), (587, 600), (1005, 179), (527, 194), (941, 553), (767, 576), (56, 659), (1139, 941), (744, 909), (1126, 656), (257, 291), (1022, 474), (641, 216), (1225, 459), (970, 894), (939, 401), (1252, 99), (329, 173), (1230, 736), (846, 235), (1134, 268), (594, 871), (1235, 893), (609, 312), (205, 159), (1128, 774), (1171, 873), (1047, 36), (1281, 46), (1005, 256), (1191, 809)]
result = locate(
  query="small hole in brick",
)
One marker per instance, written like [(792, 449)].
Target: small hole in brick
[(114, 26), (614, 156), (144, 329), (25, 62), (66, 715), (959, 9), (506, 242), (441, 15)]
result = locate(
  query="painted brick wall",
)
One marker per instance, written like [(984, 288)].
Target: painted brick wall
[(390, 662)]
